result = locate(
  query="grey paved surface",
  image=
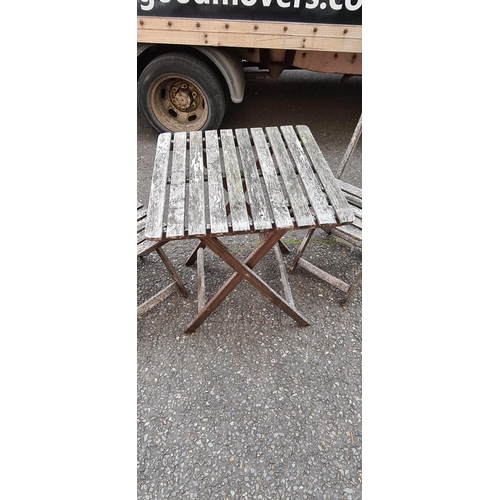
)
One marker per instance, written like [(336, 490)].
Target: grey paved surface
[(251, 405)]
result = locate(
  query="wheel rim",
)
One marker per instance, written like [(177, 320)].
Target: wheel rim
[(178, 104)]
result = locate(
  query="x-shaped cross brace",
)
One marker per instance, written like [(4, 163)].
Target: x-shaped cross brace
[(243, 270)]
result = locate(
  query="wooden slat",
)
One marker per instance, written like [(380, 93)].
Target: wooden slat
[(196, 211), (298, 200), (260, 214), (352, 232), (141, 237), (349, 188), (176, 207), (328, 62), (141, 217), (354, 201), (358, 212), (141, 224), (154, 224), (342, 209), (350, 239), (145, 247), (269, 34), (216, 201), (352, 194), (265, 28), (324, 212), (235, 191), (358, 222), (349, 230), (275, 193)]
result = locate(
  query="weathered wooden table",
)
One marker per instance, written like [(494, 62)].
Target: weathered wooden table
[(212, 184)]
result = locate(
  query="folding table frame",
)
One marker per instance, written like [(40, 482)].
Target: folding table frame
[(213, 184)]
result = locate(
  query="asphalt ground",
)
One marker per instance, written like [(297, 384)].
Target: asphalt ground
[(251, 405)]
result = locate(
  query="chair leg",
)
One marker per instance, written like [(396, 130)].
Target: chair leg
[(172, 271), (351, 289), (332, 280), (301, 249), (150, 303)]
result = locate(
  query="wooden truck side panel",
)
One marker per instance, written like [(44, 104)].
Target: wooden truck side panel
[(252, 34), (217, 36)]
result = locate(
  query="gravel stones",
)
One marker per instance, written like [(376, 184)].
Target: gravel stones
[(250, 405)]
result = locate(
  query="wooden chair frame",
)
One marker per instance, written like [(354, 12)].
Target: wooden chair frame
[(352, 233), (145, 247)]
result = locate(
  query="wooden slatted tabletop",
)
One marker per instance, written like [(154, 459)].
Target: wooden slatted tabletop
[(221, 183), (218, 183)]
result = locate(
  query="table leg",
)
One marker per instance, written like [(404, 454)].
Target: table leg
[(194, 255), (200, 261), (283, 247), (244, 271), (287, 291)]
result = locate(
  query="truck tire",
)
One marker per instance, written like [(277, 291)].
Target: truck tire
[(179, 93)]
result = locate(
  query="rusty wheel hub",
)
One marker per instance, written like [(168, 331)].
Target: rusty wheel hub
[(179, 104), (183, 97)]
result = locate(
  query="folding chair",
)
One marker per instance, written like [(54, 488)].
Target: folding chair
[(351, 233), (145, 247)]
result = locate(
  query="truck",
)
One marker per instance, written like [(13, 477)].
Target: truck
[(194, 56)]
